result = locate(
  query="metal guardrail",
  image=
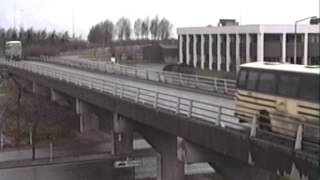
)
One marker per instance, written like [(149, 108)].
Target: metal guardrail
[(294, 134), (205, 83)]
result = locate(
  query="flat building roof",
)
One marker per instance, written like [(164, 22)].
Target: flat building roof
[(256, 28)]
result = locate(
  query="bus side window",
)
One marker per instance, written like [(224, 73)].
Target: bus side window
[(288, 85), (242, 79), (310, 88), (252, 80), (267, 82)]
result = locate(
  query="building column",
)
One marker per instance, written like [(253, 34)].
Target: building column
[(227, 52), (195, 55), (237, 52), (188, 49), (202, 51), (248, 42), (210, 51), (218, 52), (284, 45), (305, 49), (260, 48), (180, 49)]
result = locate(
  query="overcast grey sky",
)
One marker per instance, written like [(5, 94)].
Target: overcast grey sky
[(57, 14)]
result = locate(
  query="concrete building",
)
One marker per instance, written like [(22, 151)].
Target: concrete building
[(225, 47)]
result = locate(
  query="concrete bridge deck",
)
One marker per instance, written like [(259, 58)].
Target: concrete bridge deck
[(195, 122)]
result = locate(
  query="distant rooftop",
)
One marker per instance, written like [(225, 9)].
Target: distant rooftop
[(251, 28), (232, 26)]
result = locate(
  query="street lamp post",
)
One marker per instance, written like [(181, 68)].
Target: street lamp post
[(295, 37)]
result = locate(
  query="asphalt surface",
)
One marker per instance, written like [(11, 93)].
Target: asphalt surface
[(170, 94), (98, 170), (171, 91)]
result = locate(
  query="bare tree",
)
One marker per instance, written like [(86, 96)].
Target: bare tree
[(23, 110), (12, 104), (165, 28), (137, 28), (154, 27), (107, 28), (145, 28), (123, 27)]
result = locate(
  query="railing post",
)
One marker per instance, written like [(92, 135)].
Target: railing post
[(137, 95), (298, 143), (1, 141), (112, 68), (80, 82), (30, 136), (180, 79), (103, 86), (156, 97), (121, 91), (68, 78), (147, 74), (215, 84), (114, 89), (225, 86), (91, 84), (136, 72), (219, 116), (253, 131), (51, 151), (197, 81), (178, 105), (190, 108), (159, 76)]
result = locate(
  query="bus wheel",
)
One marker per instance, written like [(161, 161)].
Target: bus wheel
[(264, 120)]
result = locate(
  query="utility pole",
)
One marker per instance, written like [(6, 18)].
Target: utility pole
[(21, 20), (14, 14), (73, 35)]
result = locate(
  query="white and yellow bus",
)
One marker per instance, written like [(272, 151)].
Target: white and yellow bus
[(273, 90), (13, 50)]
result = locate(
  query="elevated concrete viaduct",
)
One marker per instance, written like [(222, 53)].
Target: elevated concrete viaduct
[(178, 139)]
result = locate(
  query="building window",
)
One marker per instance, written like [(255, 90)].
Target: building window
[(314, 38)]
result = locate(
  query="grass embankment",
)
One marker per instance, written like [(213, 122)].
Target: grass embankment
[(19, 113)]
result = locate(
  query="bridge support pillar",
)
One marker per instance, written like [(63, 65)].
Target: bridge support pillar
[(58, 98), (24, 84), (37, 89), (169, 167), (105, 120), (190, 153), (121, 136), (231, 169), (88, 120)]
